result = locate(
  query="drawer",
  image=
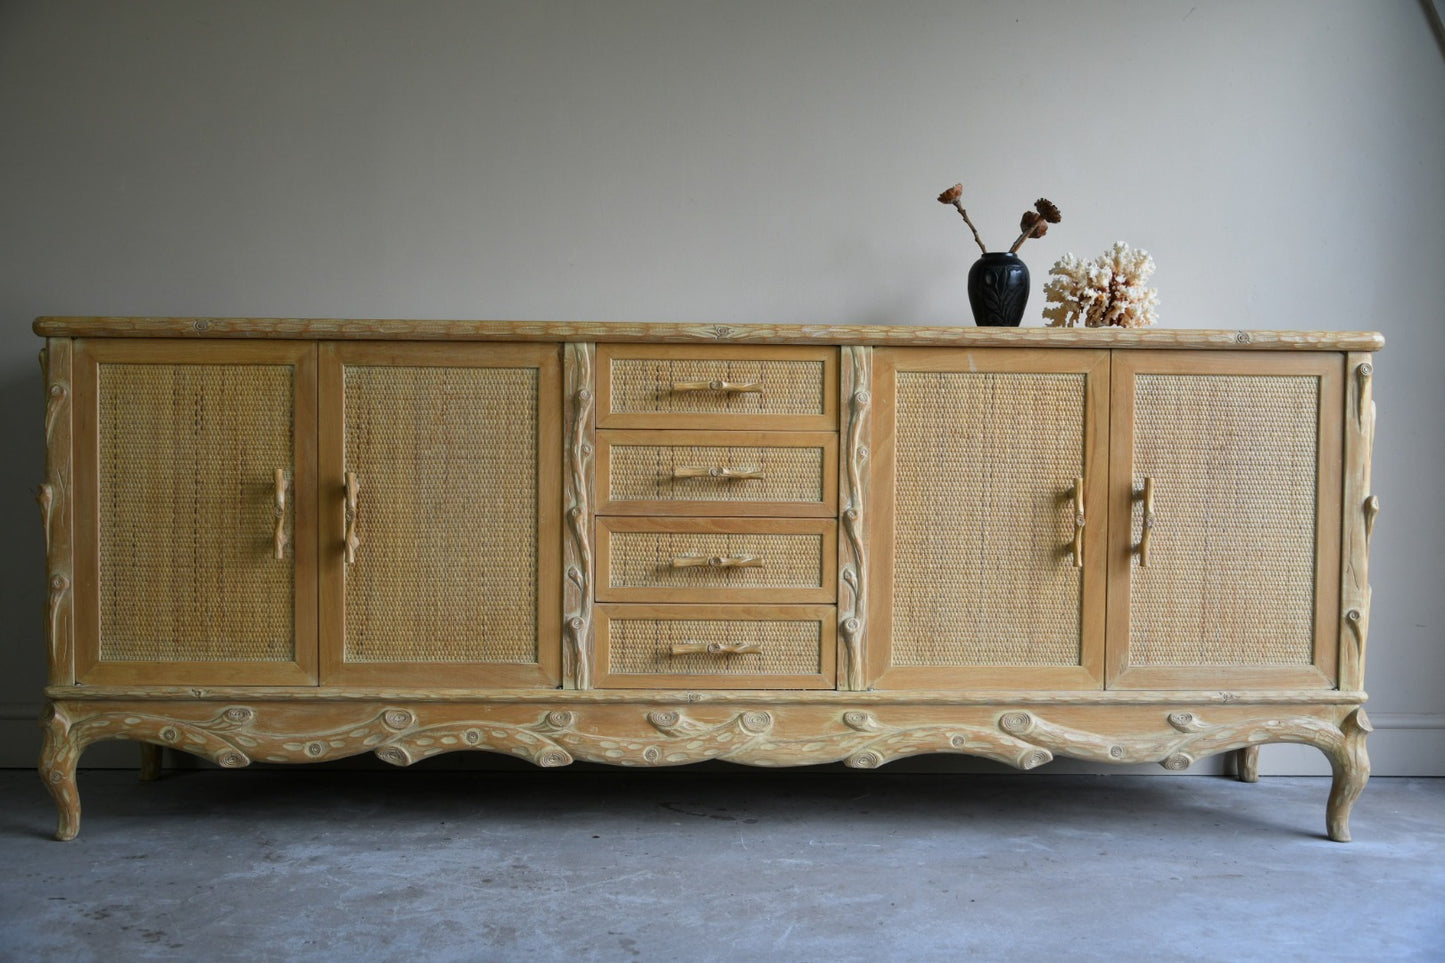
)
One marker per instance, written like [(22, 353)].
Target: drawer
[(716, 560), (716, 646), (717, 473), (770, 388)]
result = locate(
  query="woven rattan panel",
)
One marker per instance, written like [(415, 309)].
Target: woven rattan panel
[(446, 459), (643, 646), (982, 574), (788, 387), (640, 559), (645, 473), (188, 455), (1231, 574)]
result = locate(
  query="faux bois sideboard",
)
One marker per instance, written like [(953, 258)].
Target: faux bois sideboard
[(652, 545)]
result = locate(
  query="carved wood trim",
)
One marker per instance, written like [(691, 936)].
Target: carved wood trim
[(579, 406), (306, 695), (857, 394), (1362, 507), (236, 735), (54, 497)]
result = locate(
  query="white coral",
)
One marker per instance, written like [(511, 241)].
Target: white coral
[(1108, 290)]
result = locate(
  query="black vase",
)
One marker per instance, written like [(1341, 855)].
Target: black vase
[(998, 289)]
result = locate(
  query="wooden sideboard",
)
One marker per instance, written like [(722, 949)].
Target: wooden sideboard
[(651, 545)]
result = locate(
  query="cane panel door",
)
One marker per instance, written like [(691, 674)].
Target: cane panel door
[(988, 519), (1225, 497), (440, 514), (195, 537)]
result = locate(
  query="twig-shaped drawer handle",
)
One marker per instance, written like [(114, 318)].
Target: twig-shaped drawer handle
[(1078, 523), (715, 648), (352, 541), (717, 561), (279, 535), (725, 474), (1148, 496), (731, 387)]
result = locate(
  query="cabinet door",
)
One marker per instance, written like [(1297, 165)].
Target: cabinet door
[(1240, 453), (189, 569), (442, 566), (976, 579)]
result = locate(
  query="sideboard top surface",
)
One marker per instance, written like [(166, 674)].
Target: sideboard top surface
[(437, 330)]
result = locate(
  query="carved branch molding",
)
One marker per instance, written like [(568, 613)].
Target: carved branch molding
[(577, 546), (1363, 507), (237, 735), (54, 496), (857, 390)]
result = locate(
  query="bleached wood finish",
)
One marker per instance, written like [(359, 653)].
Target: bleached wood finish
[(671, 668), (57, 507), (1361, 506), (984, 590), (754, 730), (438, 430), (579, 413), (641, 646), (1237, 593), (163, 638), (909, 697), (855, 465), (1246, 764), (755, 387), (335, 329), (776, 560), (779, 473)]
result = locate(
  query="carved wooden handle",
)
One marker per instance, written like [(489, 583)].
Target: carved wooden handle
[(723, 473), (352, 541), (1148, 526), (731, 387), (279, 536), (715, 648), (717, 561), (1078, 523)]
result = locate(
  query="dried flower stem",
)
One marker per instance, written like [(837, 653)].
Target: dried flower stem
[(977, 240), (1025, 236)]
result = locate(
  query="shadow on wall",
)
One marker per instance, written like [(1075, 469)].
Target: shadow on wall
[(1435, 14)]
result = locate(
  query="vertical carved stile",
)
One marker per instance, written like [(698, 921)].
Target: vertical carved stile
[(577, 546), (857, 390), (1361, 509), (54, 497)]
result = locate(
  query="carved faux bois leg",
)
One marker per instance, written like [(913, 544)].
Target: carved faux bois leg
[(1246, 764), (58, 758), (150, 761), (1351, 766)]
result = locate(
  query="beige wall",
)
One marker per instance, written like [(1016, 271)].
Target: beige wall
[(735, 161)]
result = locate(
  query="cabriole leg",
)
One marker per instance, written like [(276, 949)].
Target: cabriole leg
[(1246, 764), (150, 761), (58, 758), (1351, 765)]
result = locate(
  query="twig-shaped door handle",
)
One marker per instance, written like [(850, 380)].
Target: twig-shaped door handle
[(730, 387), (716, 648), (1148, 526), (717, 561), (278, 537), (1078, 523), (352, 540), (725, 474)]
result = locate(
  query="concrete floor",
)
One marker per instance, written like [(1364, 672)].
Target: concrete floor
[(297, 864)]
